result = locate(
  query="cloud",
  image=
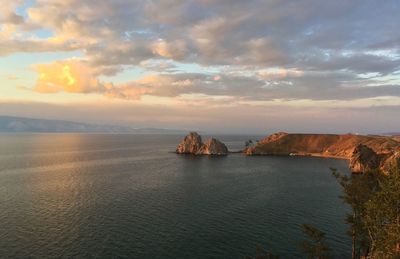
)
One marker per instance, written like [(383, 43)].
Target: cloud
[(279, 73), (258, 50), (8, 47), (77, 76), (354, 62), (174, 50), (8, 14), (71, 76), (156, 85), (213, 32)]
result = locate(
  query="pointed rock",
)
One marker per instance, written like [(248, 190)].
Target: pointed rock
[(213, 147), (364, 159), (191, 144)]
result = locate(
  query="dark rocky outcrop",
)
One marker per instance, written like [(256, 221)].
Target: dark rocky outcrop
[(364, 159), (192, 144)]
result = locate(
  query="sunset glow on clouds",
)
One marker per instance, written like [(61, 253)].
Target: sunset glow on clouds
[(250, 55), (68, 76)]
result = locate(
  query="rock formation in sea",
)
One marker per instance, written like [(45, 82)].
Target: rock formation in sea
[(192, 144), (364, 152), (213, 147)]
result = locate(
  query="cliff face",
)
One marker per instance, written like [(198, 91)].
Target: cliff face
[(364, 152), (364, 159), (213, 147), (192, 144)]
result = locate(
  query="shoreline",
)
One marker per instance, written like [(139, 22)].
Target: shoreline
[(322, 155), (293, 154), (302, 155)]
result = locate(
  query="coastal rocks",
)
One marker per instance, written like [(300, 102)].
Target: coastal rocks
[(391, 161), (192, 144), (274, 137), (213, 147), (365, 152), (364, 159)]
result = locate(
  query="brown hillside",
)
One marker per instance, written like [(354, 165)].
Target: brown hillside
[(330, 145)]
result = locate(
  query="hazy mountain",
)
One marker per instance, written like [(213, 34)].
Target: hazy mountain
[(19, 124), (392, 134)]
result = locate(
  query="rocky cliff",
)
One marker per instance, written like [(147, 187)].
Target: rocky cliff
[(192, 144), (364, 152), (213, 147)]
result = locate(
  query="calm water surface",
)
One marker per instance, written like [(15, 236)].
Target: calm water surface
[(129, 196)]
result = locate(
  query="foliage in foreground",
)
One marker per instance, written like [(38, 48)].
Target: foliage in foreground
[(374, 221), (375, 218), (262, 254), (314, 246)]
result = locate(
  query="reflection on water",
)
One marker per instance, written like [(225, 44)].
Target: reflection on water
[(77, 195)]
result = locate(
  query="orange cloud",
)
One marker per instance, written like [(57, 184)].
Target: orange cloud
[(279, 73), (155, 85), (75, 76), (72, 76)]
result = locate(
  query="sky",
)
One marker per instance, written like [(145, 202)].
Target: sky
[(224, 66)]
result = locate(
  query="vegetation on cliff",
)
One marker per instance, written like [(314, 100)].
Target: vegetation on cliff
[(375, 218)]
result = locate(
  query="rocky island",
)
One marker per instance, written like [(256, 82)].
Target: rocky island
[(193, 144), (364, 152)]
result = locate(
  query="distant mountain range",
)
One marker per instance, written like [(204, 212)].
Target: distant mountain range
[(20, 124), (392, 134)]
